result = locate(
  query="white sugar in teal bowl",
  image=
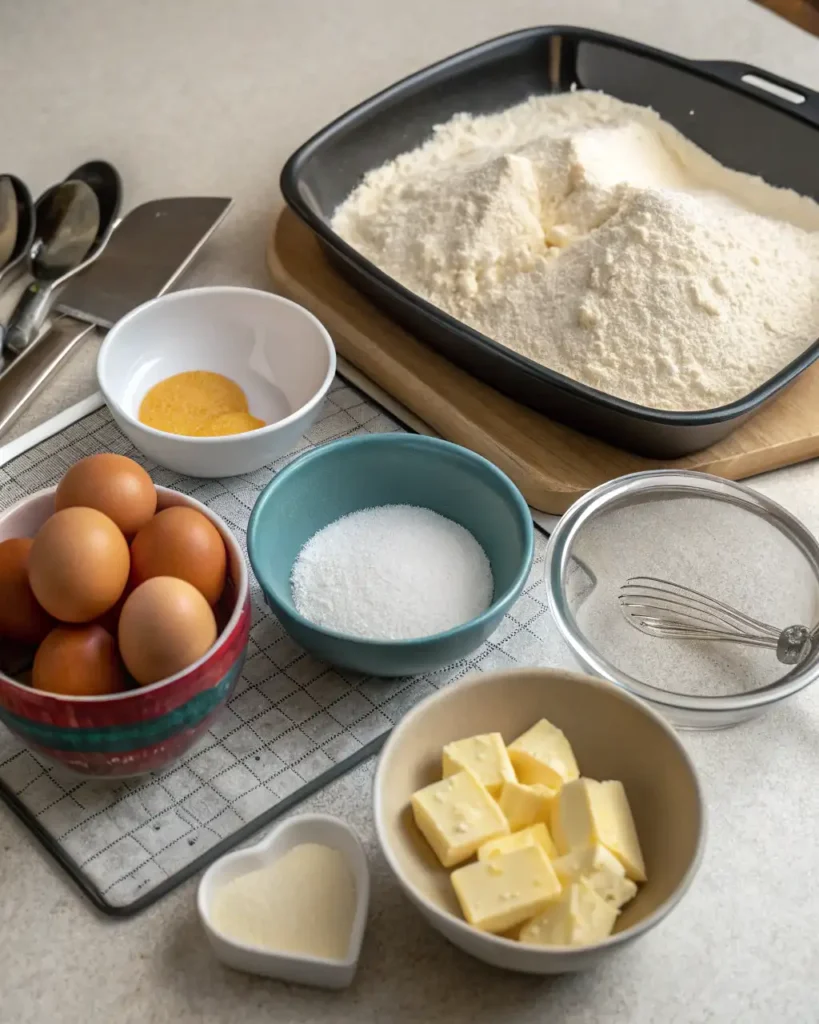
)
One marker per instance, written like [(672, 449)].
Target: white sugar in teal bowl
[(391, 554)]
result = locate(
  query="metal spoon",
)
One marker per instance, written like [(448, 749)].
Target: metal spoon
[(74, 222), (104, 179), (8, 219), (67, 220), (16, 224)]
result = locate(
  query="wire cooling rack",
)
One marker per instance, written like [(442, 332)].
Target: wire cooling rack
[(292, 725)]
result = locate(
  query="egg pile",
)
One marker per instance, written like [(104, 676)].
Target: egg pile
[(111, 593)]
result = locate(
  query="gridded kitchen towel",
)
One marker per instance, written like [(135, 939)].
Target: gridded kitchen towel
[(292, 725)]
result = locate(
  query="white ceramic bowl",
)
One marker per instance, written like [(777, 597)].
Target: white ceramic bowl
[(614, 736), (304, 970), (277, 352)]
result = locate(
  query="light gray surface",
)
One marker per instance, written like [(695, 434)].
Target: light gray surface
[(206, 96)]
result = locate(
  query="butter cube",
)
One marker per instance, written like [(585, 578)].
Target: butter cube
[(525, 805), (456, 816), (484, 756), (542, 755), (586, 812), (503, 891), (599, 869), (577, 918), (535, 835)]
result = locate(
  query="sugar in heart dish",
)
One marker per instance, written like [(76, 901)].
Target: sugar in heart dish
[(294, 906)]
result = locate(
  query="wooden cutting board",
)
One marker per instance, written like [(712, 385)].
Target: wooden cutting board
[(804, 13), (553, 465)]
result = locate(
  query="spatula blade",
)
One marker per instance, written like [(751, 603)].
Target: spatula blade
[(148, 250)]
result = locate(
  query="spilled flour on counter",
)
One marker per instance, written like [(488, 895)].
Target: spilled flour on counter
[(591, 236)]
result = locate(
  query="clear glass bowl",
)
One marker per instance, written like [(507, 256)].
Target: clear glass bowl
[(712, 535)]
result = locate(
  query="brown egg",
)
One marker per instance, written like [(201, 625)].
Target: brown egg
[(22, 618), (165, 626), (78, 661), (78, 565), (181, 542), (112, 484)]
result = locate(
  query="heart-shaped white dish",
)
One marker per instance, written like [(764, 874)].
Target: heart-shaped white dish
[(301, 969)]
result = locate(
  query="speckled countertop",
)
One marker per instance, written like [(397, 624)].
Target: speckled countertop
[(202, 96)]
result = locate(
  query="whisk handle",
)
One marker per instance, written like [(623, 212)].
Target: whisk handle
[(794, 645)]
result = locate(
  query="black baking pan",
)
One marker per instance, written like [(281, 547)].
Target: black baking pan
[(748, 119)]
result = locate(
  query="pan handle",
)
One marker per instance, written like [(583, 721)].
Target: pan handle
[(27, 374), (754, 81)]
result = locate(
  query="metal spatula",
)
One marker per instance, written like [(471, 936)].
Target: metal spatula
[(149, 249)]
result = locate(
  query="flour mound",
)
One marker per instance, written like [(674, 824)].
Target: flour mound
[(592, 237)]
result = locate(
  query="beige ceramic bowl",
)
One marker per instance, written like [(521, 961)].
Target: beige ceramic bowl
[(614, 736)]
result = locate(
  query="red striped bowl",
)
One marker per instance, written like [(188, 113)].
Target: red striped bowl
[(144, 729)]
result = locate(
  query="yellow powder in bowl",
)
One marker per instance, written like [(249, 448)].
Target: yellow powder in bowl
[(233, 423), (198, 403)]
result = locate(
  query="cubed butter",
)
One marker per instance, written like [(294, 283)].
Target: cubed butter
[(586, 812), (535, 835), (485, 756), (525, 805), (503, 891), (456, 816), (543, 756), (577, 918), (599, 869)]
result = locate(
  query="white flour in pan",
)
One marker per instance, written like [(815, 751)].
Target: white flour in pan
[(591, 236)]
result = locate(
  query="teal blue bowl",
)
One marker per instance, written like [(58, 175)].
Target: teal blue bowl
[(389, 469)]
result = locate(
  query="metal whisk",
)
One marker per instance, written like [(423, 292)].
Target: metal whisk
[(671, 611)]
